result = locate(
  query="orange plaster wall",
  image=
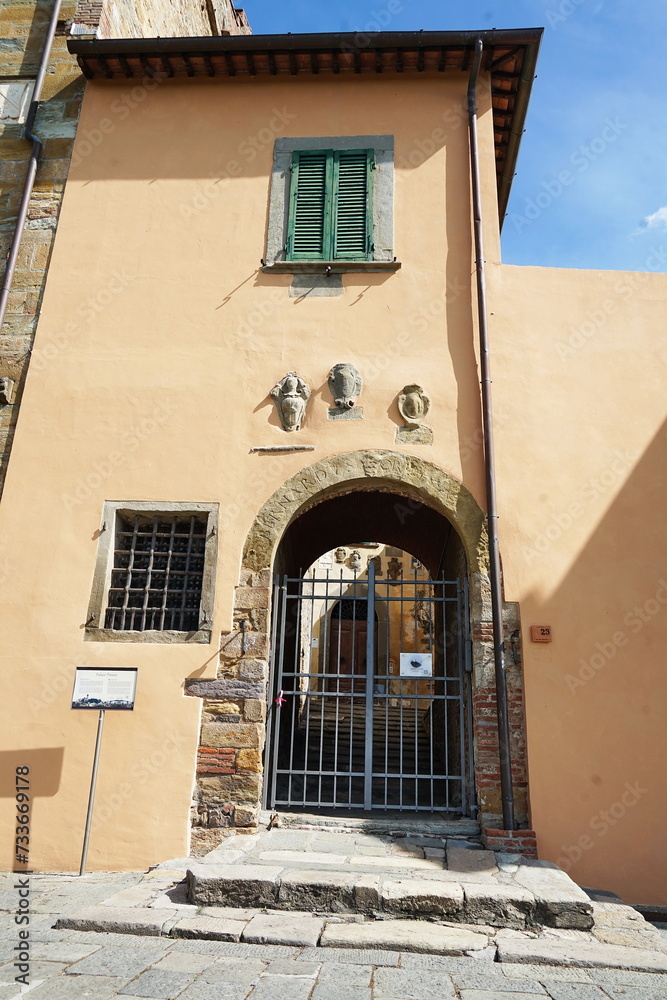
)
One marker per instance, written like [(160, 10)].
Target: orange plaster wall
[(158, 344)]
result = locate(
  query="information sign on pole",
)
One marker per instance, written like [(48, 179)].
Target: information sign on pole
[(105, 689)]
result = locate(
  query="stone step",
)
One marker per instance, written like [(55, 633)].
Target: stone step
[(537, 897)]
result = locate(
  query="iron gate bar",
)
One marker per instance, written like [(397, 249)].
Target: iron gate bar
[(370, 681), (320, 703)]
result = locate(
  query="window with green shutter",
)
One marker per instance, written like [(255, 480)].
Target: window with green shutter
[(330, 210)]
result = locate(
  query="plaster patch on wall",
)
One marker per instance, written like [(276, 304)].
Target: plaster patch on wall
[(316, 286)]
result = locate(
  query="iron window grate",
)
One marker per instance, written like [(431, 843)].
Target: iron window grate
[(157, 575)]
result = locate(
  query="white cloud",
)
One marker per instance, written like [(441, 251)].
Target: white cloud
[(658, 220)]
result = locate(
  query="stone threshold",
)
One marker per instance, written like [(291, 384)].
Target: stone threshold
[(399, 826)]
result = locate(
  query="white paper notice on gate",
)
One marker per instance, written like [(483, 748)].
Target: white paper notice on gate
[(416, 665)]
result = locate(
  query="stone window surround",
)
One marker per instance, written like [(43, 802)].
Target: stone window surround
[(104, 565), (383, 204)]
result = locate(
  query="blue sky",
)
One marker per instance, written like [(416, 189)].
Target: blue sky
[(598, 113)]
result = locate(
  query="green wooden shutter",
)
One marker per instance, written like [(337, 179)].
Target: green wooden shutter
[(330, 212), (309, 230), (352, 212)]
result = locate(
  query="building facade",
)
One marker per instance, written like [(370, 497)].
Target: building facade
[(278, 359)]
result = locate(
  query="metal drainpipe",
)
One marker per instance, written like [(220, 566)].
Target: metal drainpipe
[(29, 182), (489, 457)]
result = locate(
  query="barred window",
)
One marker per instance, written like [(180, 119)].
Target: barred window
[(157, 572)]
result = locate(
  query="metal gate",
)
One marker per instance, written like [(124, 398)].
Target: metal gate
[(371, 703)]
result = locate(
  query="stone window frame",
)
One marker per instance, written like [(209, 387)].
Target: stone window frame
[(382, 205), (104, 564)]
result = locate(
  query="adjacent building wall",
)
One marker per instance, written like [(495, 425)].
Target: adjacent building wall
[(177, 19)]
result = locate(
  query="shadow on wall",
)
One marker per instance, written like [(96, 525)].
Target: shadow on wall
[(222, 141), (601, 748), (46, 766)]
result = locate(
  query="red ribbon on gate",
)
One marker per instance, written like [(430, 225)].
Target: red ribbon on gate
[(280, 700)]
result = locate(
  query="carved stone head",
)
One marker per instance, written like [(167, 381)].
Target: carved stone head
[(345, 384), (355, 559), (291, 397), (413, 405), (340, 555)]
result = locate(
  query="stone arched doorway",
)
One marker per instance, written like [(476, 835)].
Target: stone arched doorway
[(293, 526)]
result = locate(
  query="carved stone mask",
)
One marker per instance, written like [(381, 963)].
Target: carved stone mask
[(345, 384)]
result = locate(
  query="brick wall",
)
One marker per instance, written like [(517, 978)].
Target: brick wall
[(485, 727)]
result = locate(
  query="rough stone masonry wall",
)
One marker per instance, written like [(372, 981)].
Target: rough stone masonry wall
[(176, 19), (22, 29), (229, 759)]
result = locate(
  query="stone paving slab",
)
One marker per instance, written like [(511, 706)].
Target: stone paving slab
[(543, 950), (496, 984), (403, 935), (493, 995), (76, 987), (632, 993), (574, 991), (298, 929), (209, 928), (114, 961), (126, 920), (158, 983), (399, 984)]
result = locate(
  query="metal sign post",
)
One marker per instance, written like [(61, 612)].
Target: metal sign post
[(103, 690), (91, 794)]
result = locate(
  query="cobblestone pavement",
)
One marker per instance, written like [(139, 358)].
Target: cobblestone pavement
[(68, 964)]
